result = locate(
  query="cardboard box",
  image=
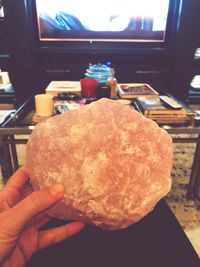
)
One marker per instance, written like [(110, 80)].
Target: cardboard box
[(56, 87)]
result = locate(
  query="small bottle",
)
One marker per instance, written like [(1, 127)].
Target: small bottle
[(112, 82), (103, 91)]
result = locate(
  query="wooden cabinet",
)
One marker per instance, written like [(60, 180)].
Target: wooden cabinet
[(4, 51)]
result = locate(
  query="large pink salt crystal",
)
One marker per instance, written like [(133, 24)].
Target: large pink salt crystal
[(115, 164)]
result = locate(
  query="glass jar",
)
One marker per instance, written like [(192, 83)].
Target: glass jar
[(112, 82)]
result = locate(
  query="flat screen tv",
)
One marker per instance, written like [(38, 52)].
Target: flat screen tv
[(1, 10), (103, 21)]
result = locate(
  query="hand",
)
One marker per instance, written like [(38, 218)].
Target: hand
[(21, 218)]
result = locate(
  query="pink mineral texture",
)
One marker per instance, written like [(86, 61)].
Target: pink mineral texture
[(115, 164)]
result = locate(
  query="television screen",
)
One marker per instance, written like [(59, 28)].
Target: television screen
[(113, 20), (1, 9)]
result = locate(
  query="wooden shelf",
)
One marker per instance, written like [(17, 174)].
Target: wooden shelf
[(4, 61)]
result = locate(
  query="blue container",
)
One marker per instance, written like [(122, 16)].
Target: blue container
[(100, 72)]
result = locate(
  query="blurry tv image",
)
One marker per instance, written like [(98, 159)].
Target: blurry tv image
[(113, 20), (1, 9)]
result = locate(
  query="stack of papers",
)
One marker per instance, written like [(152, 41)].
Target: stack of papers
[(4, 114), (6, 88), (195, 83)]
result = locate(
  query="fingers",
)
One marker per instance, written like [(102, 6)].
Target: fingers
[(41, 220), (52, 236), (15, 186), (18, 179), (33, 205), (27, 191)]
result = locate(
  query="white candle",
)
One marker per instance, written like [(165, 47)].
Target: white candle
[(44, 105)]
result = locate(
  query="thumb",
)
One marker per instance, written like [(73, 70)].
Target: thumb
[(33, 205)]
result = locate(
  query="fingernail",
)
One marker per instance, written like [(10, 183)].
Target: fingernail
[(57, 190)]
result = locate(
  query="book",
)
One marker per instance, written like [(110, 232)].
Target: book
[(7, 106), (4, 78), (134, 90), (154, 106), (6, 88), (171, 121), (165, 119), (56, 87), (61, 106), (158, 111)]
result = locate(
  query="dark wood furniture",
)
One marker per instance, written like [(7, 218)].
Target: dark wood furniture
[(156, 241)]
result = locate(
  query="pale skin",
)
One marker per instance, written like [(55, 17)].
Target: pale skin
[(22, 216)]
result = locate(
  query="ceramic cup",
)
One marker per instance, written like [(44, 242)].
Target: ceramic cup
[(88, 87)]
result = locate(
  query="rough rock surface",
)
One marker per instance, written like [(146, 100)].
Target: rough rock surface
[(115, 163)]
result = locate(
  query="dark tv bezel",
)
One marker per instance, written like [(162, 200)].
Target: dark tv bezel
[(82, 47)]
